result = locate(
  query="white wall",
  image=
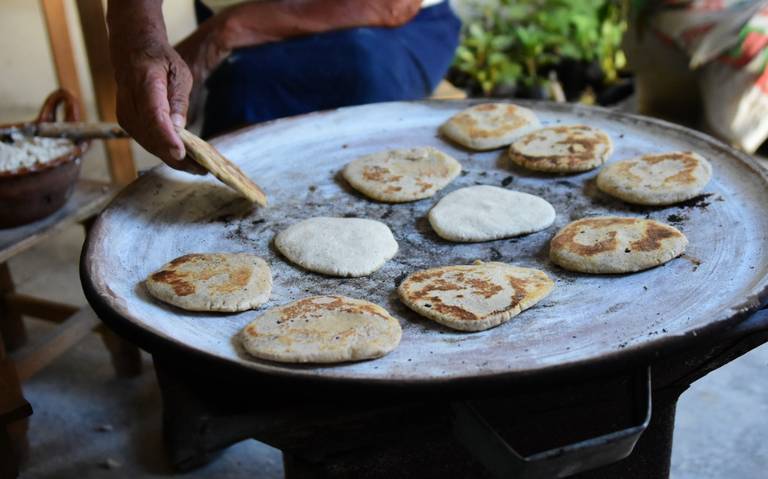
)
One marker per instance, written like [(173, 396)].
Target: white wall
[(25, 60)]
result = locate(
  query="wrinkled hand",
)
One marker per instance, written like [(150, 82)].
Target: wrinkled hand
[(153, 87)]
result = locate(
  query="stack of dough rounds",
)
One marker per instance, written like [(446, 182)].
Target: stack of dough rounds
[(615, 244), (663, 179), (397, 176), (485, 213), (338, 246), (322, 329), (474, 297), (562, 149), (227, 282), (490, 125)]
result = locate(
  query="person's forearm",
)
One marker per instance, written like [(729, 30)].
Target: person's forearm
[(254, 23), (135, 24)]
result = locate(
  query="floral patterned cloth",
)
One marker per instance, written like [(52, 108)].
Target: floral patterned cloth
[(727, 43)]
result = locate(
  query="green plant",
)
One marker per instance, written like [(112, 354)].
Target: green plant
[(510, 42)]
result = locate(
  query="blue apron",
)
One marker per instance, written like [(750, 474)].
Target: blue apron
[(330, 70)]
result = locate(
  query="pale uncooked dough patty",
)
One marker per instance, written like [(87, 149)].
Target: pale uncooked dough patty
[(338, 246), (485, 213)]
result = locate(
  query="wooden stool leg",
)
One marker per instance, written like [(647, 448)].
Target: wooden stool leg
[(14, 445), (126, 357), (11, 325)]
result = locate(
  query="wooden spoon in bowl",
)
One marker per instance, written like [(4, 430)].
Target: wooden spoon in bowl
[(197, 149)]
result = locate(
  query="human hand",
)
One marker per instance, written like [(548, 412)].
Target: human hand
[(153, 82)]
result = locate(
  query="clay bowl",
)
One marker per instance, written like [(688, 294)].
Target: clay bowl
[(30, 194)]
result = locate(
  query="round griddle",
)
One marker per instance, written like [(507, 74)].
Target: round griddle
[(587, 319)]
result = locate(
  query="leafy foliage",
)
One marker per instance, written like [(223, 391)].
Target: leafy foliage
[(511, 42)]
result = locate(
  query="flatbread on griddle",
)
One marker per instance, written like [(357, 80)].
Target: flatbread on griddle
[(227, 172), (615, 244), (322, 329), (486, 213), (338, 246), (562, 149), (474, 297), (227, 282), (663, 179), (490, 125), (397, 176)]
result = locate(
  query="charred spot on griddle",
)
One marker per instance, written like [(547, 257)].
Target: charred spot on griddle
[(566, 183), (495, 254), (483, 173), (506, 181), (257, 222), (674, 218), (312, 188), (349, 215), (464, 172), (696, 202), (225, 218), (400, 279)]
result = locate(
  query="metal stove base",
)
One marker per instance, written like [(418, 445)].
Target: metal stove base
[(329, 435)]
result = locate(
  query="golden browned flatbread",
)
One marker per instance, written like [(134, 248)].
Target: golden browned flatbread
[(227, 282), (322, 329), (662, 179), (398, 176), (615, 244), (490, 125), (562, 149), (474, 297), (223, 169)]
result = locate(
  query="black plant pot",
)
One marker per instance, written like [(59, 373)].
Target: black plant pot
[(537, 91)]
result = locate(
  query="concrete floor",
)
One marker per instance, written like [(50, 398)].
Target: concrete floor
[(87, 424)]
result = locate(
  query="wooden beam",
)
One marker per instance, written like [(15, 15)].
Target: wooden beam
[(14, 445), (35, 356), (55, 13), (26, 305), (12, 330), (121, 166)]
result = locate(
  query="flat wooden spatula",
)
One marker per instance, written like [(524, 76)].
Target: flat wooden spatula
[(223, 169), (197, 149)]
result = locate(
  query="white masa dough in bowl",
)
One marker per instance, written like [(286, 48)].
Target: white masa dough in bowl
[(25, 152)]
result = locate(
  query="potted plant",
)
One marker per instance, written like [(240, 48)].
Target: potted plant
[(541, 48)]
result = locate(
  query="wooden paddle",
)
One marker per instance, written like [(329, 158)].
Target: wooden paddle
[(197, 149), (223, 169)]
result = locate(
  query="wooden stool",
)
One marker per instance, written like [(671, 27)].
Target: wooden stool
[(29, 355)]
